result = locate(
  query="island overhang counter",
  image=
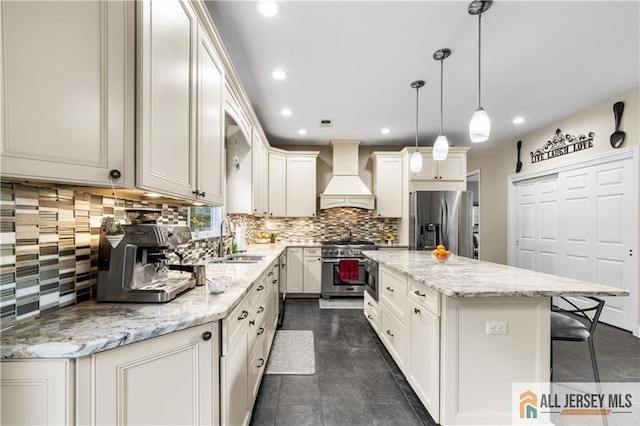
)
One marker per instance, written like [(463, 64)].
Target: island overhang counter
[(463, 332)]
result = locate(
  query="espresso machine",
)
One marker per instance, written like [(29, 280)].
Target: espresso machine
[(136, 270)]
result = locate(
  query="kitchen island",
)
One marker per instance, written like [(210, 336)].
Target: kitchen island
[(464, 331)]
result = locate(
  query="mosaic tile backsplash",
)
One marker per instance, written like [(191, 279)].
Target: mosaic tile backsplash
[(49, 242)]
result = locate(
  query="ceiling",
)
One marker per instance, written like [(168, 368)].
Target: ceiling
[(353, 62)]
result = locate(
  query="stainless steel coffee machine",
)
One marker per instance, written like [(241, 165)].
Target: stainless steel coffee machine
[(136, 270)]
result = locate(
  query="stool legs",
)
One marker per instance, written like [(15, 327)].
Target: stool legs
[(594, 365)]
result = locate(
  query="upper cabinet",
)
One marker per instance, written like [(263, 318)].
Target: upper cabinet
[(180, 104), (67, 98), (388, 185), (301, 184), (454, 168), (277, 184)]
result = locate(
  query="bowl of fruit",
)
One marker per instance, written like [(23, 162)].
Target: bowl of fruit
[(262, 238), (441, 255)]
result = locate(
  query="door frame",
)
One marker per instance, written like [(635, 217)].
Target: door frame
[(603, 158)]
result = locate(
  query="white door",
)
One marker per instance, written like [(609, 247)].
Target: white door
[(582, 224)]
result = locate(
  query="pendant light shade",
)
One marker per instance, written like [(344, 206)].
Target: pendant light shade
[(440, 148), (415, 163), (480, 124), (441, 145)]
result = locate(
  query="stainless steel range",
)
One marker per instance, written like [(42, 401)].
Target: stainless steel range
[(340, 274)]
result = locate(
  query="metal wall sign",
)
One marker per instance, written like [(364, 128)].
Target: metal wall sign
[(561, 145)]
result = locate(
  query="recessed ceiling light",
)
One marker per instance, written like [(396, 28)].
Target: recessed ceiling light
[(518, 120), (385, 131), (268, 8), (279, 74), (286, 111), (302, 131)]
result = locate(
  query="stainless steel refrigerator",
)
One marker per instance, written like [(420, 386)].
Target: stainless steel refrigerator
[(441, 217)]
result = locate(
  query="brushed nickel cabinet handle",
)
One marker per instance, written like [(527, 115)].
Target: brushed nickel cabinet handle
[(419, 294)]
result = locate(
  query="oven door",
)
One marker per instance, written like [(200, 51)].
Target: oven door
[(332, 285), (371, 279)]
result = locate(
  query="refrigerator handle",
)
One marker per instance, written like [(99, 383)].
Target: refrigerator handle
[(444, 228)]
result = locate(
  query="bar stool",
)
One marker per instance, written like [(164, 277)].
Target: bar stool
[(568, 328)]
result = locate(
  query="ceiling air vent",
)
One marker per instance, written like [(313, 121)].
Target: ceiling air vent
[(326, 123)]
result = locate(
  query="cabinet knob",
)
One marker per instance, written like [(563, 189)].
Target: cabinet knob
[(274, 282), (260, 287), (270, 214), (416, 310), (261, 363), (435, 177), (115, 174), (264, 212), (370, 317), (202, 194), (260, 331), (261, 309), (243, 315), (206, 336), (196, 192), (419, 294), (370, 304), (390, 289), (389, 333), (313, 214)]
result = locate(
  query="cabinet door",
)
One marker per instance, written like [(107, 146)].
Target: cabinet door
[(429, 168), (36, 392), (301, 186), (453, 168), (388, 186), (312, 271), (210, 153), (67, 99), (164, 380), (235, 374), (166, 101), (424, 374), (277, 184), (295, 269)]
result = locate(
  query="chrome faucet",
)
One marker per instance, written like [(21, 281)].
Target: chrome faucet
[(221, 248)]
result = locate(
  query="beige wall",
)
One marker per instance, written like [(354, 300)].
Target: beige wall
[(497, 163)]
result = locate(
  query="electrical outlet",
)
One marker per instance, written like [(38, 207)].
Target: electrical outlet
[(496, 327)]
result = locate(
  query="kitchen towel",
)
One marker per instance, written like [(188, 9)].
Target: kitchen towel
[(344, 268), (241, 238), (354, 273)]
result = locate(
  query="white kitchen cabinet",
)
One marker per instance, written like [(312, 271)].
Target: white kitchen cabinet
[(301, 185), (235, 110), (169, 379), (312, 272), (454, 168), (295, 270), (210, 136), (424, 373), (37, 392), (396, 337), (180, 95), (277, 184), (67, 102), (372, 311), (260, 176), (388, 185)]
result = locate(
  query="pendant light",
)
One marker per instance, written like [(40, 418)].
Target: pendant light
[(480, 125), (415, 163), (441, 145)]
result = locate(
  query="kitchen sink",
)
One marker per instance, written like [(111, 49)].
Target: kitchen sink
[(247, 257)]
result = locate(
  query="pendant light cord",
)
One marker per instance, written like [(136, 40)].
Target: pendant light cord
[(441, 90), (479, 60), (417, 105)]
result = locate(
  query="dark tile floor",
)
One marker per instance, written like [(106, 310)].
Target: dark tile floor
[(358, 383)]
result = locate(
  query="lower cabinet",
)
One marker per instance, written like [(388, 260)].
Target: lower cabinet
[(424, 373), (304, 270), (395, 336), (235, 382), (36, 392), (165, 380)]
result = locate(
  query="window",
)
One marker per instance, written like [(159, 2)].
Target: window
[(205, 221)]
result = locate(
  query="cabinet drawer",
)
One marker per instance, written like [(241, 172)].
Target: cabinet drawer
[(373, 316), (237, 321), (424, 296), (393, 292), (312, 251), (259, 289), (395, 336), (257, 333), (257, 365)]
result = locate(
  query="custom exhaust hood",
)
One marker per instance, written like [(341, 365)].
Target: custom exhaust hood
[(346, 189)]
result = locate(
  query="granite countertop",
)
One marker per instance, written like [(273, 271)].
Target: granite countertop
[(92, 327), (464, 277)]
